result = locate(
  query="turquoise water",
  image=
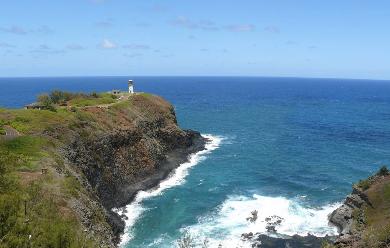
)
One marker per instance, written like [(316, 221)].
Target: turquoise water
[(284, 146)]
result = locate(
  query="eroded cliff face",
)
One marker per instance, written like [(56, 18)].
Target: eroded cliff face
[(74, 162), (125, 148), (363, 219)]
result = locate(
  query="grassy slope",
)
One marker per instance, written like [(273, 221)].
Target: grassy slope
[(49, 220), (103, 98), (376, 231), (373, 222), (32, 204)]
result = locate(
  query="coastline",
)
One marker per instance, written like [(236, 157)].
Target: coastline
[(176, 176), (128, 191)]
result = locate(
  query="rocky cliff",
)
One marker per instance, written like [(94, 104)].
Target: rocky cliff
[(93, 158), (363, 219), (140, 145)]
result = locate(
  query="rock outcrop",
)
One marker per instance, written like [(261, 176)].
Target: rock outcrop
[(295, 241), (342, 217), (136, 147), (362, 219)]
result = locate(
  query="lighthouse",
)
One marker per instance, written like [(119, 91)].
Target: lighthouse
[(131, 87)]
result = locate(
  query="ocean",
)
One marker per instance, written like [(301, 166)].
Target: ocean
[(289, 147)]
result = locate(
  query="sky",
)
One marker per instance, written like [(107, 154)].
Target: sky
[(294, 38)]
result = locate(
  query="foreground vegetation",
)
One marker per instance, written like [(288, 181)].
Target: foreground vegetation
[(35, 187), (43, 199), (62, 98), (30, 213), (371, 222)]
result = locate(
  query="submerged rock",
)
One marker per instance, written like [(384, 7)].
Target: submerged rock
[(296, 241)]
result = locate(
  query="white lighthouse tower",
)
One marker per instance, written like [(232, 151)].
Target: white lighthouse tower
[(131, 87)]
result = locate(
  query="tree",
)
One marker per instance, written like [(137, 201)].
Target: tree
[(44, 99)]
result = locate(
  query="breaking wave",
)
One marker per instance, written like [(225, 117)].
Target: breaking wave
[(134, 210), (228, 222)]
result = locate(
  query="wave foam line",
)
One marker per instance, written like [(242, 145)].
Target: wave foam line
[(227, 224), (134, 210)]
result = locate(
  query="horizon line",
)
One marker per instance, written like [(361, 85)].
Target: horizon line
[(226, 76)]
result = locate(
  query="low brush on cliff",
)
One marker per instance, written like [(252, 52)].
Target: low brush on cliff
[(364, 218), (68, 168)]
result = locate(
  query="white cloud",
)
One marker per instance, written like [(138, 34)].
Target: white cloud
[(107, 44), (6, 45), (241, 28), (75, 47), (137, 46), (184, 22), (104, 24), (14, 30), (272, 29)]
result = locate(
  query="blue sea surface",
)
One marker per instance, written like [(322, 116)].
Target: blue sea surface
[(291, 147)]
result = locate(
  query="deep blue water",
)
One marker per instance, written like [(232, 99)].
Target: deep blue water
[(289, 146)]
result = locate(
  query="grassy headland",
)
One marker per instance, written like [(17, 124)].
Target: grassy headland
[(367, 210), (35, 206)]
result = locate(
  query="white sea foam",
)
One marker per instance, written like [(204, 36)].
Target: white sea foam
[(226, 225), (134, 210)]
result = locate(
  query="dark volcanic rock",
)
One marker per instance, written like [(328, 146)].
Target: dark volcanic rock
[(295, 241), (133, 149), (342, 217)]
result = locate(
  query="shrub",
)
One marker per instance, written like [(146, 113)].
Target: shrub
[(364, 184), (47, 102), (383, 171)]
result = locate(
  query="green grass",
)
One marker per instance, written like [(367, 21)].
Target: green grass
[(24, 145), (42, 224), (71, 186), (103, 98), (377, 228), (27, 149), (30, 121), (386, 193), (145, 94), (51, 220), (366, 184)]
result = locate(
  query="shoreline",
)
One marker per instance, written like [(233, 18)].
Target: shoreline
[(131, 211)]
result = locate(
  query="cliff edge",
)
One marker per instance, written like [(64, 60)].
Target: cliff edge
[(82, 157), (363, 219)]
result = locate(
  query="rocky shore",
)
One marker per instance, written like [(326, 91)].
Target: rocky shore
[(363, 220), (275, 240), (343, 217)]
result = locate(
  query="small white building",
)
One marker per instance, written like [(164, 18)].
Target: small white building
[(131, 87)]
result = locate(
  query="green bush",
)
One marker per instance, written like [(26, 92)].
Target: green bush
[(383, 171), (3, 123), (364, 184)]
